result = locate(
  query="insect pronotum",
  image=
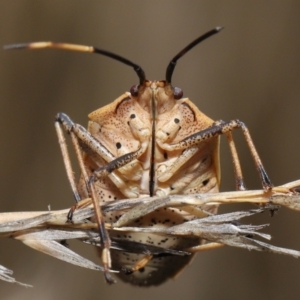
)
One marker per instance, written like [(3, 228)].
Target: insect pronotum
[(148, 142)]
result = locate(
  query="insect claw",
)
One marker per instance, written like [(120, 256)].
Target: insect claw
[(70, 214), (266, 182), (267, 186), (108, 278), (240, 185)]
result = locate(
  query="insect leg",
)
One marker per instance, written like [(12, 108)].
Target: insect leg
[(204, 247), (95, 149), (215, 130), (239, 180), (178, 163), (117, 163), (69, 169), (84, 141), (138, 265), (67, 161), (197, 176), (104, 236)]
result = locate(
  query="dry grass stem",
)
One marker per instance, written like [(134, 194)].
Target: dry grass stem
[(46, 231)]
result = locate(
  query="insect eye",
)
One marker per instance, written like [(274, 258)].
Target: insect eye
[(134, 90), (178, 93)]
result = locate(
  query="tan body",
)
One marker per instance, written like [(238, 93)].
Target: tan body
[(114, 125)]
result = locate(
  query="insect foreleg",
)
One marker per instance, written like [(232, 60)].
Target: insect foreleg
[(96, 150), (215, 130), (67, 161), (85, 138), (117, 163), (69, 169), (104, 236)]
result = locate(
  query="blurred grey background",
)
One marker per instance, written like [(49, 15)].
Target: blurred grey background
[(250, 71)]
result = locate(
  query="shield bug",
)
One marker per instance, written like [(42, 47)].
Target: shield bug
[(148, 142)]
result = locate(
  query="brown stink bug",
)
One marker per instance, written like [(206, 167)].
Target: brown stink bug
[(148, 142)]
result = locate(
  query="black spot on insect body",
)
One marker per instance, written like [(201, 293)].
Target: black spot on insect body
[(163, 241), (153, 221), (205, 182), (118, 145), (176, 120), (132, 116)]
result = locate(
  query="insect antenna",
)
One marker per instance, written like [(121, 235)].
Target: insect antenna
[(73, 47), (172, 64)]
